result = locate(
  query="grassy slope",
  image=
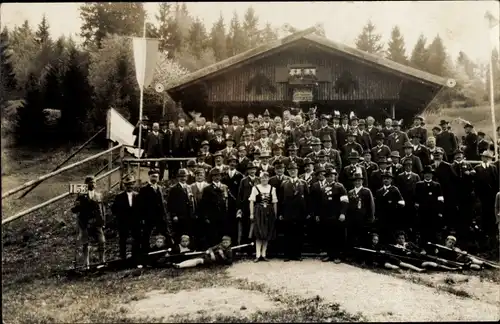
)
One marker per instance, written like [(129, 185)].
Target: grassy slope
[(43, 242)]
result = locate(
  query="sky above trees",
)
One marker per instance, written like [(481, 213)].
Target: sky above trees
[(459, 23)]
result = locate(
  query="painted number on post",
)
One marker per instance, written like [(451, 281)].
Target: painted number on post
[(77, 188)]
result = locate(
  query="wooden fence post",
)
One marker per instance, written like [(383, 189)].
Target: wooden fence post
[(122, 155), (110, 163)]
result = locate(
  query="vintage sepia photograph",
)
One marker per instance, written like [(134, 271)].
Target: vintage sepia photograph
[(250, 162)]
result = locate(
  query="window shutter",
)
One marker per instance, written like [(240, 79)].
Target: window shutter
[(324, 74), (281, 74)]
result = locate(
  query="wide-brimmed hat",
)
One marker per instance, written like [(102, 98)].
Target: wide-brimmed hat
[(419, 118), (379, 136), (395, 154), (487, 154), (382, 159), (357, 176), (182, 173), (353, 155), (326, 138), (330, 172), (232, 158), (218, 153), (308, 161), (89, 179), (229, 138), (428, 169), (153, 171), (319, 169), (387, 174), (315, 141), (214, 172), (265, 154), (438, 151), (408, 145), (293, 147), (251, 165), (407, 161), (205, 143), (321, 153), (292, 166), (191, 163)]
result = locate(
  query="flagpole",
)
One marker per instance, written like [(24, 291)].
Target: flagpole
[(491, 25), (141, 102)]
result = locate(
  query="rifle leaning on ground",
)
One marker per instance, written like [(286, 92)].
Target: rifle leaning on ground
[(385, 253), (195, 253), (484, 262), (430, 258)]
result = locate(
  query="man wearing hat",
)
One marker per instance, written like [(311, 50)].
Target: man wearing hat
[(154, 147), (229, 150), (350, 146), (213, 210), (308, 175), (293, 207), (201, 164), (205, 154), (470, 141), (429, 203), (153, 211), (375, 180), (322, 159), (444, 174), (247, 141), (342, 131), (219, 162), (330, 209), (264, 143), (418, 131), (226, 127), (243, 205), (332, 155), (277, 154), (266, 121), (293, 157), (89, 209), (482, 143), (198, 134), (421, 151), (126, 213), (397, 138), (352, 167), (368, 164), (306, 142), (363, 138), (360, 213), (180, 202), (326, 130), (380, 149), (486, 187), (279, 177), (371, 129), (197, 190), (316, 148), (406, 181), (446, 139), (387, 130), (465, 196), (389, 205), (243, 160), (294, 134), (218, 143), (264, 163), (336, 120), (394, 165), (313, 121), (416, 163), (232, 179), (279, 138), (191, 169)]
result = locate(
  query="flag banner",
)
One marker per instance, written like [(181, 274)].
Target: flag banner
[(492, 21), (121, 130), (145, 58)]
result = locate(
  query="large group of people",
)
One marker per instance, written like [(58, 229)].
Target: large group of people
[(335, 180)]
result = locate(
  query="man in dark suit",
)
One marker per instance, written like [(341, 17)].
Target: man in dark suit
[(128, 219), (342, 131), (243, 213), (471, 151), (352, 167), (418, 131), (416, 163), (486, 185), (397, 138), (446, 140), (421, 151), (380, 149), (406, 182), (232, 179), (181, 140), (218, 143), (198, 135), (482, 143), (213, 209), (206, 156), (154, 148), (293, 200), (243, 160), (180, 204), (330, 212), (364, 138), (168, 148), (375, 180), (368, 164), (444, 174), (371, 129), (293, 157), (326, 130), (389, 203), (226, 127), (350, 147), (333, 155), (306, 142), (151, 201), (429, 202), (360, 213), (294, 134)]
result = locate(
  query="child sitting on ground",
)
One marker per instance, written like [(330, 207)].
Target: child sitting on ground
[(219, 254), (175, 254), (458, 255)]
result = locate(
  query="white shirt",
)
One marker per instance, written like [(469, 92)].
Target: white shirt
[(181, 128), (154, 186), (217, 184), (294, 180), (356, 190), (130, 195), (264, 166), (231, 173), (308, 175), (200, 185), (485, 165), (91, 194), (155, 133), (386, 187)]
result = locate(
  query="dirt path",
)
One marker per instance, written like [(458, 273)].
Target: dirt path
[(378, 297)]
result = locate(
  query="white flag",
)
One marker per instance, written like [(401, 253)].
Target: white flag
[(492, 21), (145, 57)]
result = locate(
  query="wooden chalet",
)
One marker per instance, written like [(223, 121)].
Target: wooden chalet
[(304, 70)]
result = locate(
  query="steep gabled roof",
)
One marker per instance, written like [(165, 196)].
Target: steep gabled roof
[(307, 34)]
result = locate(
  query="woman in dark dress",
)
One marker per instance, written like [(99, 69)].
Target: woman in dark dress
[(263, 210)]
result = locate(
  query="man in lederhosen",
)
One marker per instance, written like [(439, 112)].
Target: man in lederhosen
[(90, 214), (429, 204), (151, 201), (243, 213), (180, 204), (360, 213), (388, 204), (232, 179), (293, 201), (128, 218), (331, 215), (406, 182)]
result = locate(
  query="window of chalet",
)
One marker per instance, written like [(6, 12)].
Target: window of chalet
[(302, 73)]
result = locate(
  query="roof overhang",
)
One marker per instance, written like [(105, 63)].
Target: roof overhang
[(268, 49)]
